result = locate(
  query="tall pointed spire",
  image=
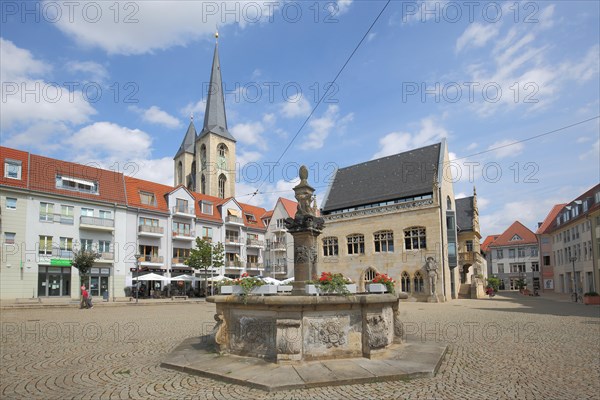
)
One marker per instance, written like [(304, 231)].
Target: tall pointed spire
[(215, 119)]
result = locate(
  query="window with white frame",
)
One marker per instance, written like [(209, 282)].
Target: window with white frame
[(207, 232), (105, 214), (45, 245), (499, 253), (66, 243), (12, 169), (500, 268), (207, 208), (87, 212), (534, 251), (415, 238), (511, 253), (521, 252), (11, 203), (66, 214), (514, 268), (535, 267), (104, 246), (76, 184), (147, 198), (9, 237), (384, 241), (86, 244), (46, 212), (330, 246), (356, 244)]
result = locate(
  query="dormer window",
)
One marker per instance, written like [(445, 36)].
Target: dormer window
[(12, 169), (250, 218), (206, 207), (147, 198), (516, 237), (76, 184)]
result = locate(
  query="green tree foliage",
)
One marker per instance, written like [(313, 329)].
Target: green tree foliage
[(84, 260), (493, 282), (206, 255)]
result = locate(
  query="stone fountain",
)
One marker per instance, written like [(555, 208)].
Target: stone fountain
[(293, 341)]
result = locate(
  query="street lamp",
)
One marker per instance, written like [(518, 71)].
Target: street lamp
[(573, 259), (137, 276)]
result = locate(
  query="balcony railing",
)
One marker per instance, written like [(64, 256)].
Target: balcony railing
[(96, 221), (59, 218), (232, 219), (183, 210), (233, 264), (60, 253), (178, 260), (252, 265), (278, 268), (470, 257), (107, 256), (233, 239), (190, 234), (151, 229), (278, 246), (255, 243), (152, 259)]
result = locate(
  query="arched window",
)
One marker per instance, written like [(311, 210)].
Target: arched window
[(415, 238), (330, 246), (405, 280), (418, 282), (448, 203), (356, 244), (203, 184), (222, 182), (179, 173), (384, 241), (368, 276), (222, 156), (203, 157)]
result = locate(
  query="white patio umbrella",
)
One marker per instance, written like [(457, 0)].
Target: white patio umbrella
[(187, 278), (219, 278), (271, 281), (151, 277)]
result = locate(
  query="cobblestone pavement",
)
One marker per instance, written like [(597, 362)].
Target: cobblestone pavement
[(502, 348)]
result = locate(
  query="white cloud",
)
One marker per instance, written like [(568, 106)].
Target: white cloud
[(320, 128), (146, 26), (343, 6), (159, 170), (110, 141), (269, 192), (396, 142), (371, 36), (44, 102), (251, 133), (593, 153), (42, 136), (96, 72), (155, 115), (194, 109), (245, 157), (505, 148), (476, 35), (472, 146), (293, 109)]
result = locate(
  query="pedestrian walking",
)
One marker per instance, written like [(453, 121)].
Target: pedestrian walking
[(87, 299)]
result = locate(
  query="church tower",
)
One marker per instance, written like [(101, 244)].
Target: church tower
[(208, 165)]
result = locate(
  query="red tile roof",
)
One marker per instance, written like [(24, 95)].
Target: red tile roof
[(135, 186), (43, 172), (17, 155), (488, 240), (257, 212), (216, 202), (517, 228), (290, 206), (550, 218), (268, 214), (592, 206)]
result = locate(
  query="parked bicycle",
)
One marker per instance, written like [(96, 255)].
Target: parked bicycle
[(577, 297)]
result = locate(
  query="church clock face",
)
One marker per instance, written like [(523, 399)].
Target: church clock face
[(222, 164)]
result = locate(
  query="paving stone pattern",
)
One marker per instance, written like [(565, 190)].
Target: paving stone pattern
[(502, 348)]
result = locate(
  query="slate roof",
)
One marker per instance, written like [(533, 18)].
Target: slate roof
[(464, 213), (187, 146), (215, 119), (517, 228), (398, 176)]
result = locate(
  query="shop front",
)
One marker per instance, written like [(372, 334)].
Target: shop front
[(54, 280)]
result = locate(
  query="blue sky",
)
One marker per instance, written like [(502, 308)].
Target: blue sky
[(114, 84)]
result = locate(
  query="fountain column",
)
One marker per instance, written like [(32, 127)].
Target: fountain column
[(305, 228)]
